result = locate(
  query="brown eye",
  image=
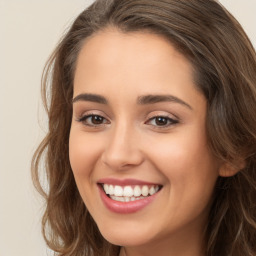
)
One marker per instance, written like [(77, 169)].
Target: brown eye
[(97, 119), (162, 121), (93, 120)]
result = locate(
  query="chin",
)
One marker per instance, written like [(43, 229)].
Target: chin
[(123, 237)]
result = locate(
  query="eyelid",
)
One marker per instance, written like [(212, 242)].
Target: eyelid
[(162, 113), (172, 119), (83, 117), (95, 112)]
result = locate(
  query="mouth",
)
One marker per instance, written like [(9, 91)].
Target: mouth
[(129, 193)]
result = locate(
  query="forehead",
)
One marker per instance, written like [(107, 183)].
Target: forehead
[(141, 48), (133, 63), (133, 51), (121, 43)]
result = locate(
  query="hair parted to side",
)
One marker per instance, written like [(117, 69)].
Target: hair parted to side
[(224, 63)]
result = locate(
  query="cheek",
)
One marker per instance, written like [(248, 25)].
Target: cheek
[(84, 152), (191, 173), (187, 163)]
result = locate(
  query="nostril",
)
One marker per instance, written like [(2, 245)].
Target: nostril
[(121, 160)]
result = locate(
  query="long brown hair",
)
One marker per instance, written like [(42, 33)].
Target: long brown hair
[(224, 64)]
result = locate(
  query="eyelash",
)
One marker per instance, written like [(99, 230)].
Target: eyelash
[(170, 121), (84, 119)]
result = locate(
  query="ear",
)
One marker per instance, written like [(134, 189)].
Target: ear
[(229, 169)]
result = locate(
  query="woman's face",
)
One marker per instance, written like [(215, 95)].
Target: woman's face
[(138, 131)]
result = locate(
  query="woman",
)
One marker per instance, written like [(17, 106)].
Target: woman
[(152, 144)]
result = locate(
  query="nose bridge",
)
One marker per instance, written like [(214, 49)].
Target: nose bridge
[(122, 149)]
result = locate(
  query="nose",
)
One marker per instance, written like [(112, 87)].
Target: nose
[(122, 150)]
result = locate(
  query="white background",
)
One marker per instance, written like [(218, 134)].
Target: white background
[(29, 30)]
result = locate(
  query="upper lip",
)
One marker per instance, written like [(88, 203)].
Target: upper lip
[(125, 182)]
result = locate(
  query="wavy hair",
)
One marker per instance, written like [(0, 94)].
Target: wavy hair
[(224, 63)]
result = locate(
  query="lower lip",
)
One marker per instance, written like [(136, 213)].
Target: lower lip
[(125, 207)]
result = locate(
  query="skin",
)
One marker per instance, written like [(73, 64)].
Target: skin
[(129, 143)]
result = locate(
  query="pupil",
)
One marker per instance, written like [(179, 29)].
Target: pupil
[(161, 121), (97, 119)]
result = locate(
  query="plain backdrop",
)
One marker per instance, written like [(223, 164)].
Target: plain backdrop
[(30, 30)]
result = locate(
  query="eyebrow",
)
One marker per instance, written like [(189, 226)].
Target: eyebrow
[(90, 97), (142, 100), (152, 99)]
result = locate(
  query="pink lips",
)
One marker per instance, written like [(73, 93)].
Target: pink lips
[(124, 207)]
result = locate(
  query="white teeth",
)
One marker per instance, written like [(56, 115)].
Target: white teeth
[(129, 193), (118, 191), (137, 191), (144, 190), (106, 188), (152, 191), (126, 199), (110, 190)]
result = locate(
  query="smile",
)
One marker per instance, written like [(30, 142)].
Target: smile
[(127, 196), (129, 193)]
